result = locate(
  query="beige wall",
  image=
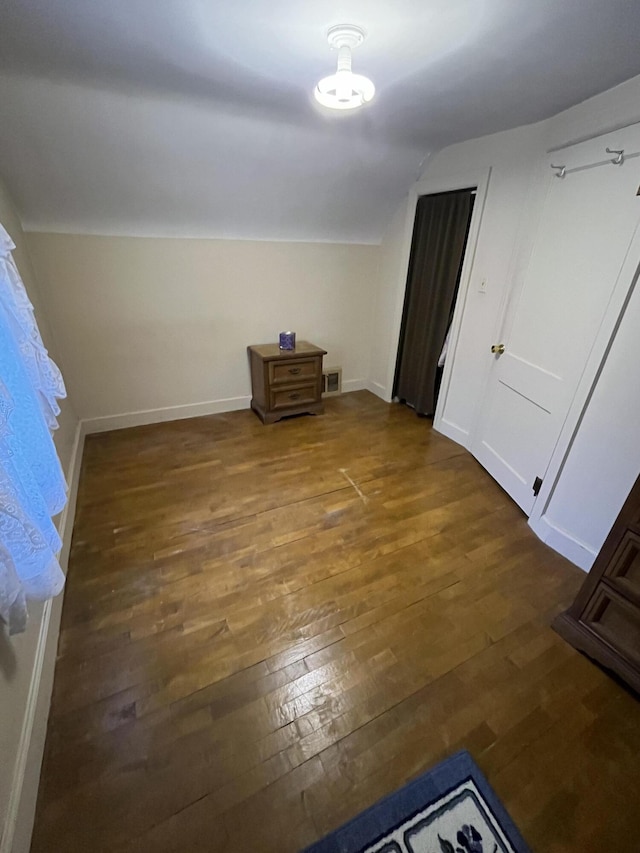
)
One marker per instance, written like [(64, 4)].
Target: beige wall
[(149, 323), (18, 654), (384, 343)]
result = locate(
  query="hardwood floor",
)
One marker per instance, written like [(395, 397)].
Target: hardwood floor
[(266, 629)]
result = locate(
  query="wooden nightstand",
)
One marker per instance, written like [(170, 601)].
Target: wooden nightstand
[(286, 382)]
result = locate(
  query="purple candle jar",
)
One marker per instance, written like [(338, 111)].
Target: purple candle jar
[(287, 340)]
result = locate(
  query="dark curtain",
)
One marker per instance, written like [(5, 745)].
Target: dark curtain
[(439, 238)]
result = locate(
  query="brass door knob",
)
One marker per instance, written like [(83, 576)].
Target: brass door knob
[(498, 349)]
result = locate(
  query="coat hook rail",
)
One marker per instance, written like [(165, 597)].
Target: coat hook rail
[(560, 170), (618, 160)]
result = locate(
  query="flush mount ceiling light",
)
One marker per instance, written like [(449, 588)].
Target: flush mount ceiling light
[(344, 90)]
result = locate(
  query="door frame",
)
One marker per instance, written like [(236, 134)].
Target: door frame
[(478, 178), (559, 539)]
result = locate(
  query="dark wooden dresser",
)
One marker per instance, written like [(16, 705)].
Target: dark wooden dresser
[(604, 620), (286, 382)]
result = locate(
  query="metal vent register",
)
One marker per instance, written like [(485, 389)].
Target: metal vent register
[(331, 381)]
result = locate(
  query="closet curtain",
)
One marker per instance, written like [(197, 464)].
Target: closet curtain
[(32, 485), (439, 238)]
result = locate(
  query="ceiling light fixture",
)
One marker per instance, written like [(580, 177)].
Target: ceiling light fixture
[(344, 90)]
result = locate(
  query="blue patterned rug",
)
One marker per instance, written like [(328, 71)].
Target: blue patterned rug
[(450, 809)]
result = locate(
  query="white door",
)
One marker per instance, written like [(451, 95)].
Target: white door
[(587, 224)]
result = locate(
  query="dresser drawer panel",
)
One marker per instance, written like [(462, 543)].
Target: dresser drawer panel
[(293, 396), (615, 620), (624, 569), (293, 371)]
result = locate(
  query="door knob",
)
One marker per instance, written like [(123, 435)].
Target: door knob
[(498, 349)]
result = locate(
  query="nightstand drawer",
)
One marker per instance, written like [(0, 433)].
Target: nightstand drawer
[(294, 371), (290, 397)]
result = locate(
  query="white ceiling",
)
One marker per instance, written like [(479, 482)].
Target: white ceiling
[(196, 117)]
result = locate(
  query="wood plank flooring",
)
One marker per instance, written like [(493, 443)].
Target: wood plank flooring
[(266, 629)]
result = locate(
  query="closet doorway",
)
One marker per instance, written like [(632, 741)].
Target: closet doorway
[(440, 236)]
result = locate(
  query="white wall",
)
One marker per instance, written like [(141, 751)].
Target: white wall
[(26, 661), (154, 324), (604, 459), (508, 212), (593, 476), (508, 225), (586, 490), (610, 110), (510, 206)]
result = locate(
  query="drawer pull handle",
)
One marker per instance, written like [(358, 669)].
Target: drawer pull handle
[(295, 370), (293, 396)]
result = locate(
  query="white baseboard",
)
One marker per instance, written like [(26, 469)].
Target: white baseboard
[(579, 553), (190, 410), (16, 837), (65, 523), (452, 431), (170, 413), (379, 390)]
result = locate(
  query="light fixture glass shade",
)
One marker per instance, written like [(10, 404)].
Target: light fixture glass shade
[(344, 91)]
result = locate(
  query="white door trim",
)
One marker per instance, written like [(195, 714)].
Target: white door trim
[(478, 178)]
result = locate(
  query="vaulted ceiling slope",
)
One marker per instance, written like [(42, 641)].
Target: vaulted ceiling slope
[(195, 117)]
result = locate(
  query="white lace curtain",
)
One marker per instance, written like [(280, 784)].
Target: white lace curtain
[(32, 485)]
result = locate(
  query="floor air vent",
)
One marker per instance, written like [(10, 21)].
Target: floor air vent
[(331, 381)]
